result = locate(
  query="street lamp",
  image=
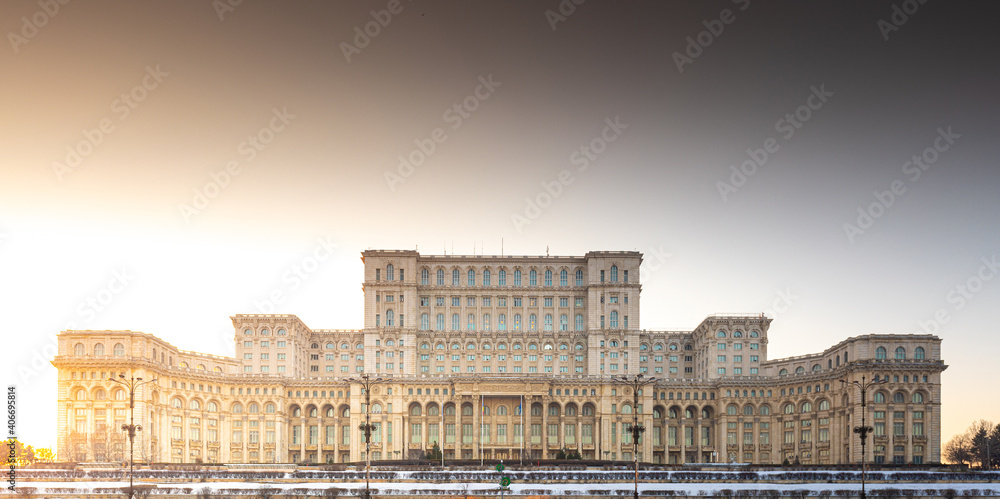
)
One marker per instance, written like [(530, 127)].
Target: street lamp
[(131, 383), (367, 427), (864, 429), (636, 429)]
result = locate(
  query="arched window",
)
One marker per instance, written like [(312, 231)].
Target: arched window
[(737, 334), (376, 408), (879, 398), (119, 394), (765, 410), (800, 370), (536, 410), (614, 273), (329, 412), (176, 403), (588, 410), (471, 326), (517, 346), (253, 408), (918, 398), (748, 410), (578, 346), (578, 322), (433, 410), (247, 332), (456, 323), (731, 410), (265, 332), (237, 408), (194, 405), (688, 413), (789, 408), (472, 277), (720, 334), (100, 394), (579, 277), (389, 317), (425, 322), (389, 273), (79, 350), (425, 277), (614, 318), (563, 322), (440, 277), (532, 322), (517, 277), (449, 410), (880, 353), (456, 346), (900, 353), (470, 346), (824, 405), (486, 277), (643, 347), (502, 322), (817, 367), (502, 277), (783, 372), (501, 410), (415, 410), (99, 349), (282, 332), (563, 278), (487, 346), (918, 353), (119, 350), (548, 277), (425, 346), (533, 278), (439, 322), (897, 398), (807, 407), (212, 407), (455, 277), (270, 408), (467, 410), (548, 322)]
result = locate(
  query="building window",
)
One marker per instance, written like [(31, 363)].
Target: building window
[(880, 353), (440, 277), (532, 278), (614, 273), (425, 277), (502, 277), (548, 277)]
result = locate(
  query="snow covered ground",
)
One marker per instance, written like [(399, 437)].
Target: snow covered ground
[(62, 483)]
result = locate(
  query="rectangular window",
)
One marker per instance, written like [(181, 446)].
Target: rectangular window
[(449, 433), (536, 433)]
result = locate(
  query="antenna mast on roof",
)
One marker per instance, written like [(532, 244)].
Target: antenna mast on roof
[(546, 250)]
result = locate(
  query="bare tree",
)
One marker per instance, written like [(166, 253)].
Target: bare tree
[(266, 492), (958, 450), (331, 492)]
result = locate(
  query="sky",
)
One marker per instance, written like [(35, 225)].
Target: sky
[(166, 165)]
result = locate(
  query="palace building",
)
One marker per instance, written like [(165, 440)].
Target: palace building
[(499, 357)]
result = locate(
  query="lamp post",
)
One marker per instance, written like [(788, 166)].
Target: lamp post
[(367, 427), (131, 383), (636, 428), (864, 429)]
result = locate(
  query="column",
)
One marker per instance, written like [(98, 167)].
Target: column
[(681, 437), (303, 438), (320, 438), (545, 429), (697, 439)]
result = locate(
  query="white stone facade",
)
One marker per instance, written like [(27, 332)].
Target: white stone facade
[(463, 342)]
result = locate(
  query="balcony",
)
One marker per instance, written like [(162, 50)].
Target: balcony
[(765, 447)]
